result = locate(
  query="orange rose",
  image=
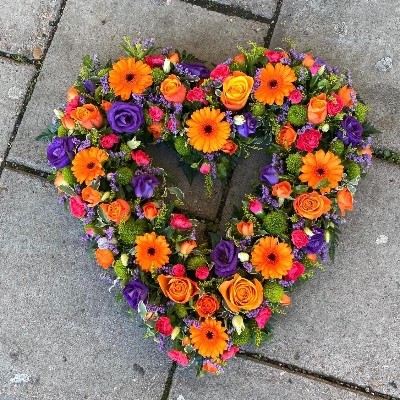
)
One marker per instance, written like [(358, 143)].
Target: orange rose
[(72, 93), (206, 305), (245, 228), (173, 90), (286, 136), (104, 257), (240, 59), (345, 93), (367, 150), (88, 116), (178, 289), (345, 201), (68, 122), (312, 257), (282, 190), (155, 129), (311, 205), (317, 109), (187, 247), (60, 181), (118, 211), (236, 90), (105, 105), (229, 147), (91, 196), (150, 210), (241, 294), (285, 300), (174, 58), (308, 60)]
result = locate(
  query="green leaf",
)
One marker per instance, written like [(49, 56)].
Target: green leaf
[(215, 238), (122, 273), (67, 189), (48, 134), (142, 310), (177, 192), (298, 189)]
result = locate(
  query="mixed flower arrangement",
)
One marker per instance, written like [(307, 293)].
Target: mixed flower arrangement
[(203, 303)]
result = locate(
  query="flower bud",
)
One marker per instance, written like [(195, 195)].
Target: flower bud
[(243, 257), (167, 66), (308, 231), (327, 236), (59, 113), (133, 143), (105, 196), (321, 70), (237, 322), (124, 259), (239, 119), (175, 332), (325, 128)]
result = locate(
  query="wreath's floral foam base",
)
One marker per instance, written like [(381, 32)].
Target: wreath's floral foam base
[(202, 301)]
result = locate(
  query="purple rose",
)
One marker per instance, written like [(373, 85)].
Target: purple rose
[(249, 127), (89, 86), (144, 185), (225, 258), (198, 69), (59, 152), (134, 292), (125, 117), (269, 174), (316, 242), (353, 131)]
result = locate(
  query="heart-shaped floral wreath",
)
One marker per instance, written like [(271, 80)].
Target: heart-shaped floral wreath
[(201, 304)]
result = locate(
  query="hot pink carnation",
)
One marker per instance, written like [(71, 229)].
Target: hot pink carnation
[(179, 357), (309, 140), (221, 71), (77, 207), (227, 354), (295, 272), (195, 94), (202, 273), (263, 317), (154, 61), (108, 141), (295, 97), (140, 157), (299, 238), (274, 56), (178, 270), (163, 325), (179, 221), (156, 113), (205, 168), (335, 105)]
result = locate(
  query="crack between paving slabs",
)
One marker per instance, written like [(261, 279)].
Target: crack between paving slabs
[(274, 20), (38, 64), (168, 382), (366, 391)]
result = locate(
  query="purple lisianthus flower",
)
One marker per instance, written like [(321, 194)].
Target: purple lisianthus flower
[(198, 69), (125, 117), (134, 292), (59, 152), (353, 131), (269, 174), (249, 127), (316, 242), (144, 185), (89, 86), (225, 258)]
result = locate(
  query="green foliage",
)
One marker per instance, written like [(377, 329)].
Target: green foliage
[(337, 147), (273, 292), (258, 109), (297, 115), (180, 310), (181, 146), (48, 134), (196, 261), (122, 272), (158, 75), (68, 176), (62, 131), (130, 229), (294, 162), (275, 223), (361, 112), (353, 170), (243, 338), (124, 175)]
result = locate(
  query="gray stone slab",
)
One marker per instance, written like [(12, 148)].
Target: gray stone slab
[(264, 8), (62, 334), (245, 379), (25, 25), (362, 36), (14, 81), (99, 30), (345, 322)]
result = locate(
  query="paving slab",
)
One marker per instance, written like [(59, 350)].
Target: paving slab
[(183, 25), (25, 26), (264, 8), (244, 379), (345, 322), (362, 36), (14, 82), (62, 334)]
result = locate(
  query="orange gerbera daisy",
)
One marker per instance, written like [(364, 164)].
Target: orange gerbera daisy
[(207, 132), (276, 83), (321, 169), (271, 258), (210, 339), (129, 76), (86, 166), (152, 251)]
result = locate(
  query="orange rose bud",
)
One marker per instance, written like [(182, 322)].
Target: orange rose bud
[(60, 181), (242, 294), (367, 150), (236, 90), (286, 136), (187, 247), (245, 228), (312, 257), (345, 93), (72, 93), (229, 147), (345, 201), (174, 58), (150, 210), (206, 305), (178, 289), (118, 211), (240, 59), (311, 205), (173, 90), (68, 122), (308, 61), (282, 190), (91, 196), (210, 368), (105, 105), (88, 116), (155, 129), (317, 109), (104, 257), (285, 300)]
